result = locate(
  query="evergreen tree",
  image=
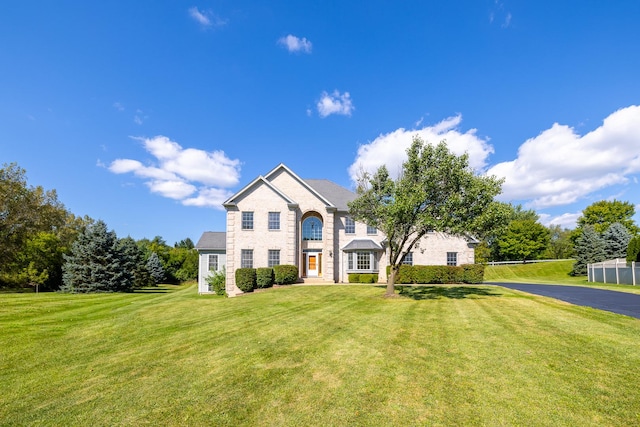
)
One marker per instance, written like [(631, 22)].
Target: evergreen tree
[(185, 244), (133, 263), (616, 239), (95, 263), (155, 269), (589, 249), (633, 249)]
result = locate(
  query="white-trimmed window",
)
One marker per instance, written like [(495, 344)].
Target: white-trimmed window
[(213, 262), (247, 220), (274, 257), (452, 258), (371, 230), (349, 225), (246, 258), (408, 259), (362, 261), (274, 220)]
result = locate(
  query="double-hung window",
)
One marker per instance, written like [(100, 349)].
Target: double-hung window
[(274, 220), (274, 257), (371, 230), (349, 225), (408, 259), (213, 262), (452, 258), (247, 220), (246, 258)]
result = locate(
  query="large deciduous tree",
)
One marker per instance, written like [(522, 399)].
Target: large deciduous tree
[(604, 213), (560, 245), (436, 191), (35, 229), (491, 243), (524, 240)]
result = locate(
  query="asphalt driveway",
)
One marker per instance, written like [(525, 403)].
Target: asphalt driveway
[(616, 302)]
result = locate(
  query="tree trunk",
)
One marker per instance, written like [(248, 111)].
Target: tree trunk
[(391, 281)]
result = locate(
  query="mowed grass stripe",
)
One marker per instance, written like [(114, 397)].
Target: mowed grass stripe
[(334, 355)]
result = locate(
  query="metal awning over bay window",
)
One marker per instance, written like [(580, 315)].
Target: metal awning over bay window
[(362, 255)]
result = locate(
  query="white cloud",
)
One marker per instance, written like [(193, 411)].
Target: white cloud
[(335, 103), (390, 149), (118, 106), (566, 220), (559, 167), (178, 173), (177, 189), (295, 44), (209, 197), (206, 18)]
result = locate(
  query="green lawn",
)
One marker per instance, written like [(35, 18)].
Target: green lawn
[(315, 355)]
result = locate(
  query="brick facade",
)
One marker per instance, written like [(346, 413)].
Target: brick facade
[(297, 200)]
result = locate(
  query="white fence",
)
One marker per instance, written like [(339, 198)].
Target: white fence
[(614, 271), (529, 261)]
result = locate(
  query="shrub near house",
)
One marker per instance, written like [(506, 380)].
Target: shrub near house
[(440, 274)]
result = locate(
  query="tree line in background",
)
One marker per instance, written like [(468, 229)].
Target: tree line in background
[(47, 247), (606, 230)]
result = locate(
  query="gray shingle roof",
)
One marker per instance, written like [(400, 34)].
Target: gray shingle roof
[(362, 244), (336, 194), (212, 240)]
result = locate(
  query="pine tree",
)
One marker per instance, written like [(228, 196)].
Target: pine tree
[(154, 266), (616, 239), (133, 264), (589, 249), (95, 263), (633, 249)]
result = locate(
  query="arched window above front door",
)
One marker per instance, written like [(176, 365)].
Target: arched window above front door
[(312, 228)]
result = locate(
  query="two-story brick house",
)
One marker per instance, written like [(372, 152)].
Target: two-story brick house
[(280, 218)]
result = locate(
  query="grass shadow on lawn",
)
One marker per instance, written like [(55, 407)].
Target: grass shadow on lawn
[(453, 292)]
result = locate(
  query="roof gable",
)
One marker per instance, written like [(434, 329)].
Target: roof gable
[(332, 195), (283, 168), (230, 202)]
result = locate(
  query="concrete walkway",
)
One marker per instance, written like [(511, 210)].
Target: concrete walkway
[(616, 302)]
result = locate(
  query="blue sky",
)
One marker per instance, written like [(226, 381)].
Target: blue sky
[(149, 114)]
